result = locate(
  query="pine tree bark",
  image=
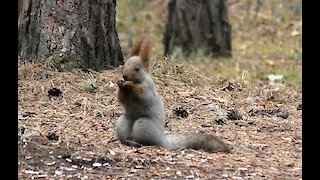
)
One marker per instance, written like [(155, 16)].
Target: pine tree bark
[(195, 25), (72, 33)]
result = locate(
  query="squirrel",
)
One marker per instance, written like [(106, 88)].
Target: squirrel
[(143, 121)]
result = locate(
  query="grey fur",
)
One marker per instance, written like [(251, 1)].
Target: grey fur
[(143, 120)]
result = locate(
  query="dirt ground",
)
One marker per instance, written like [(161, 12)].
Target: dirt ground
[(69, 132)]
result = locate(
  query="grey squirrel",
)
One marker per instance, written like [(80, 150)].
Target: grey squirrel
[(143, 120)]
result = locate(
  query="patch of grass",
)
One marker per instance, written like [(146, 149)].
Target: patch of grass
[(257, 70), (292, 76), (273, 34)]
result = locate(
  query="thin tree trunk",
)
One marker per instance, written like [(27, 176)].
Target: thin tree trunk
[(195, 25), (73, 33)]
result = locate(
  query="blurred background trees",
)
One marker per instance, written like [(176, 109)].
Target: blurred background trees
[(266, 37), (197, 25)]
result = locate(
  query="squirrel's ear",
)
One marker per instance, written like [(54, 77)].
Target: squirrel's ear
[(145, 53), (142, 48), (135, 51)]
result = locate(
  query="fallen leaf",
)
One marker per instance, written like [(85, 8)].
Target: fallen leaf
[(58, 172), (96, 164), (112, 152), (32, 172), (272, 77), (295, 33), (185, 94), (50, 163)]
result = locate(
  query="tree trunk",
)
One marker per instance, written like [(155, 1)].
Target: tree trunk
[(197, 25), (72, 33)]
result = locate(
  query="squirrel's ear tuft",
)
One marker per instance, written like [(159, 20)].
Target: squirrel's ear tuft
[(142, 48), (145, 53), (135, 51)]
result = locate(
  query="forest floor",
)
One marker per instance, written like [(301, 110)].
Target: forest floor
[(66, 120), (69, 132)]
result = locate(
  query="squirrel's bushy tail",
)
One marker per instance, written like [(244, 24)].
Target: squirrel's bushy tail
[(206, 142)]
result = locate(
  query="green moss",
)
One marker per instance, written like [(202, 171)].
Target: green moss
[(64, 62), (90, 85)]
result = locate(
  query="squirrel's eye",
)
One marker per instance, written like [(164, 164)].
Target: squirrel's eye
[(136, 68)]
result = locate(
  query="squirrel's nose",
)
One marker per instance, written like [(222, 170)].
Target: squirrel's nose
[(125, 77)]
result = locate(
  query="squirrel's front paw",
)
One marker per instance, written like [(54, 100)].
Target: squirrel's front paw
[(125, 84), (121, 82)]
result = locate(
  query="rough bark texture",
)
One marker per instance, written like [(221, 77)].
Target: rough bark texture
[(73, 33), (195, 25)]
